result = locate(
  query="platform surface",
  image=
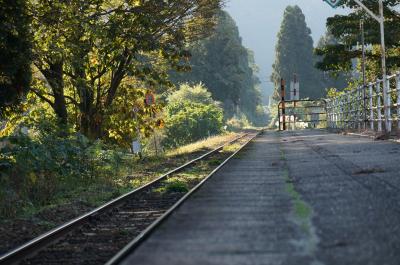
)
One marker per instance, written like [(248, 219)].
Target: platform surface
[(305, 197)]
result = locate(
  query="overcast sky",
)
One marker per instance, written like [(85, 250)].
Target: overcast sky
[(259, 22)]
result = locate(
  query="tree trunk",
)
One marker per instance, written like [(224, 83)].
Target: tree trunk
[(91, 124), (91, 116), (54, 76)]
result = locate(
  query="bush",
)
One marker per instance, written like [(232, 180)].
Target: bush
[(189, 122), (238, 123), (192, 115), (195, 94), (36, 169)]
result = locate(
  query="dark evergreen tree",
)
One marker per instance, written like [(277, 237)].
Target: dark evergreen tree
[(294, 55), (225, 67), (15, 53)]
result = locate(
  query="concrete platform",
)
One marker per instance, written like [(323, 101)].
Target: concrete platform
[(307, 197)]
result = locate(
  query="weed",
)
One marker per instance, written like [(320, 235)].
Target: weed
[(206, 144), (178, 186), (231, 148), (214, 162)]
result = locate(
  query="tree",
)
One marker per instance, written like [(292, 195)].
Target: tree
[(225, 67), (15, 53), (197, 93), (294, 55), (85, 50), (331, 79), (345, 29)]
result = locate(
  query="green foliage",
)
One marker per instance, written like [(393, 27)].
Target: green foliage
[(44, 162), (93, 64), (187, 122), (129, 117), (15, 53), (88, 50), (345, 29), (237, 123), (191, 115), (176, 185), (196, 93), (294, 55), (331, 79), (260, 117), (225, 67)]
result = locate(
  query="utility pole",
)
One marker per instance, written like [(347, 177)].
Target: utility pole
[(381, 19)]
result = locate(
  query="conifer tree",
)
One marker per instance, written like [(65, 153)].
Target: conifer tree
[(294, 55), (225, 67)]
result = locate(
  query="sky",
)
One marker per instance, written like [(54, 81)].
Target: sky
[(259, 22)]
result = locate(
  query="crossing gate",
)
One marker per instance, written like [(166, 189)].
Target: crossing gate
[(302, 114)]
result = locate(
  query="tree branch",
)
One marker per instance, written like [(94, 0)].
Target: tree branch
[(42, 97)]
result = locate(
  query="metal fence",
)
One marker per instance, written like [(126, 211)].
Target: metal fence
[(302, 114), (374, 106)]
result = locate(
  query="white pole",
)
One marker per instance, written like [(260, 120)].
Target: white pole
[(398, 100), (381, 20), (386, 101), (383, 48), (378, 105), (371, 107)]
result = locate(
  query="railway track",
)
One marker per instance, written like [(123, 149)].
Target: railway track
[(96, 237)]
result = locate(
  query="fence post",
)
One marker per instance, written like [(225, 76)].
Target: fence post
[(398, 100), (388, 112), (364, 115), (378, 105), (359, 113), (359, 108), (349, 113), (329, 112), (341, 112), (371, 106), (335, 110)]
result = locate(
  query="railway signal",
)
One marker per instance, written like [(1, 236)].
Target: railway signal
[(294, 89)]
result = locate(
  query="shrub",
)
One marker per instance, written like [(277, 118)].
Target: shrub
[(36, 169), (177, 186), (189, 122), (237, 123), (191, 115), (195, 94)]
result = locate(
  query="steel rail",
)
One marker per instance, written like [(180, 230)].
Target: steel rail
[(150, 229), (40, 242)]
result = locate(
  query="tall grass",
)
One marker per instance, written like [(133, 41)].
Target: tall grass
[(205, 144)]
